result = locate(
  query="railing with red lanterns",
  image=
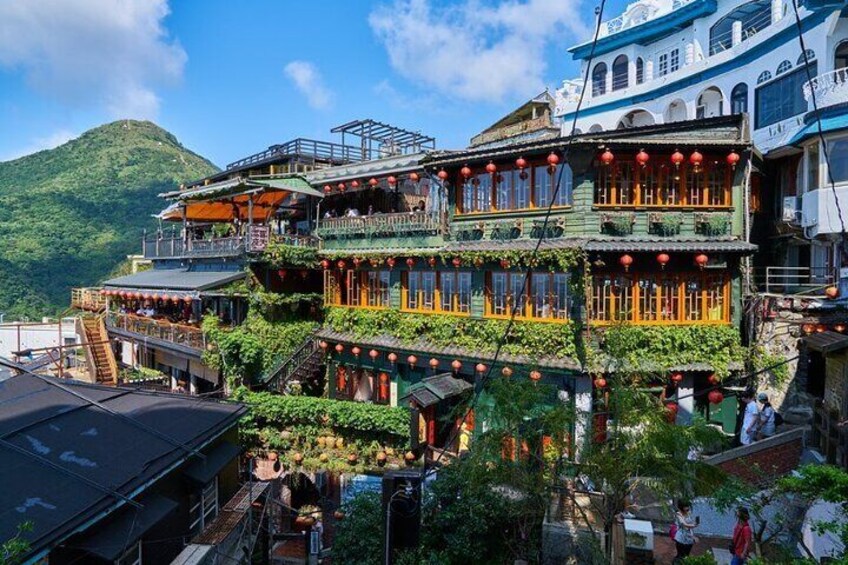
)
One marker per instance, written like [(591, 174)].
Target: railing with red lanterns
[(180, 334), (664, 181), (90, 299), (385, 225)]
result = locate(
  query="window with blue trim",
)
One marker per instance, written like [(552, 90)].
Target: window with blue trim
[(782, 98), (807, 55), (640, 71), (764, 76), (599, 79), (783, 67), (620, 70), (754, 16), (739, 99)]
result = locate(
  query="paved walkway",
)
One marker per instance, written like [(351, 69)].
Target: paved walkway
[(664, 549)]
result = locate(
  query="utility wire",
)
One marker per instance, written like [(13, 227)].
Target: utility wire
[(599, 12)]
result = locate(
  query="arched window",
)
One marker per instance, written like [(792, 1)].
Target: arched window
[(783, 67), (808, 55), (619, 72), (640, 71), (599, 79), (739, 99), (840, 58), (710, 103), (754, 16), (764, 76)]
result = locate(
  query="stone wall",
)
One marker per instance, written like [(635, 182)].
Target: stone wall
[(764, 460)]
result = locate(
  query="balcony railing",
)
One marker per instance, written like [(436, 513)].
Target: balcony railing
[(622, 22), (830, 89), (172, 244), (791, 280), (380, 225), (179, 334), (295, 240), (87, 299)]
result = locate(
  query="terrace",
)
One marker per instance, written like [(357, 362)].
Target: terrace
[(172, 244), (185, 335)]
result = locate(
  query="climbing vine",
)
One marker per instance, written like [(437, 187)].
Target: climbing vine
[(280, 255)]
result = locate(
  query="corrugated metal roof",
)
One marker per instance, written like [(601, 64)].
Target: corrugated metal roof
[(692, 244), (376, 167), (826, 342), (175, 279)]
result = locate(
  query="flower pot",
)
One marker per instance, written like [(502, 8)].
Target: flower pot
[(339, 443), (320, 441), (352, 458), (324, 458)]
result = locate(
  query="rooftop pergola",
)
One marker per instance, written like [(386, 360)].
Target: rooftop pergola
[(390, 140)]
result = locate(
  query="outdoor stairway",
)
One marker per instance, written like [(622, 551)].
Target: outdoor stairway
[(306, 361), (102, 364)]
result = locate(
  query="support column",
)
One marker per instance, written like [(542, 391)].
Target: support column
[(192, 386), (776, 11), (686, 400), (583, 412), (690, 53), (649, 70), (736, 33)]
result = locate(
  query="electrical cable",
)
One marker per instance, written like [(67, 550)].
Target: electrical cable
[(599, 11)]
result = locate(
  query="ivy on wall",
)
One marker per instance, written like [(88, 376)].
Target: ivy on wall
[(280, 255), (533, 339), (553, 259)]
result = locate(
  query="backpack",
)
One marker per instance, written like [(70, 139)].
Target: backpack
[(672, 531), (778, 419)]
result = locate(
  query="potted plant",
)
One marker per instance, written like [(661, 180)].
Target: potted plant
[(618, 223)]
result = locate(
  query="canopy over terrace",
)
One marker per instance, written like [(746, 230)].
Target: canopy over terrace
[(248, 200)]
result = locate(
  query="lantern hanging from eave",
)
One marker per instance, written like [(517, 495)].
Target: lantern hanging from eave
[(339, 348), (695, 159), (434, 363), (642, 158), (600, 382), (671, 412), (821, 328), (677, 378), (607, 157), (412, 360), (341, 187), (374, 262), (456, 365), (663, 260), (323, 345), (356, 351), (175, 299), (505, 264), (626, 260), (373, 182), (373, 354), (491, 168), (188, 299), (480, 368), (354, 183), (701, 260), (465, 172), (713, 379), (103, 292), (410, 262), (327, 189), (506, 372), (431, 261), (808, 328), (156, 297), (456, 262), (341, 264), (356, 262), (715, 397), (521, 163), (137, 295), (677, 159), (392, 181), (325, 264), (414, 177), (442, 174), (535, 376), (839, 328), (392, 357), (733, 159), (390, 262), (553, 160)]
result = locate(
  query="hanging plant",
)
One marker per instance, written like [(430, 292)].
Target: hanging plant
[(666, 223), (618, 223), (714, 224)]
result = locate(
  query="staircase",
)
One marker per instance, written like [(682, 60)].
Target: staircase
[(102, 365), (306, 361)]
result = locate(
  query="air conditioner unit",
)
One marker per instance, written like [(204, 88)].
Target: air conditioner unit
[(792, 209)]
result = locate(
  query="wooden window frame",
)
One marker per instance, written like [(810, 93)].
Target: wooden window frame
[(359, 292), (437, 293), (464, 185), (526, 311)]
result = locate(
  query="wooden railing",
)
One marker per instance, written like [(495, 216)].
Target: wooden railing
[(170, 244), (180, 334), (295, 240), (323, 150), (278, 376), (381, 225), (87, 299)]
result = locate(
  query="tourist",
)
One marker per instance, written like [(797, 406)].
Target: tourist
[(147, 310), (740, 546), (422, 207), (370, 210), (750, 418), (766, 420), (684, 537)]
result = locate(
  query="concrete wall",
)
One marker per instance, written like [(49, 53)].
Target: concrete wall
[(764, 460), (16, 336)]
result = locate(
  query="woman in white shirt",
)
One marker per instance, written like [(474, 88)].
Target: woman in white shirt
[(750, 419), (684, 537)]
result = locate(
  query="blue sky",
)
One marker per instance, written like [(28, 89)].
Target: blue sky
[(230, 78)]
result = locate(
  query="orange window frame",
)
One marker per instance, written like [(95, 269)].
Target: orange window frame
[(464, 185), (437, 294), (526, 310)]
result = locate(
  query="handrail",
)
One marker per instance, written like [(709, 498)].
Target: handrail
[(805, 278), (278, 376), (825, 83), (305, 147), (87, 299), (187, 336), (381, 224)]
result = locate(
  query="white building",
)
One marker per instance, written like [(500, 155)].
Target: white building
[(663, 61), (36, 336)]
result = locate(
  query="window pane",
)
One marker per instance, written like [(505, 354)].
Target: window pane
[(669, 299), (447, 287), (413, 290), (813, 167), (503, 191), (564, 177), (542, 186), (499, 294), (467, 197), (428, 290), (714, 306), (838, 157), (560, 296), (647, 298), (464, 298), (692, 300), (521, 189), (782, 98), (517, 293), (540, 290), (483, 193)]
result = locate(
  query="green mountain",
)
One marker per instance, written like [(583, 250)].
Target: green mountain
[(70, 215)]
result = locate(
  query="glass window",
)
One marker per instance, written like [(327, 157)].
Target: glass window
[(764, 76), (662, 65), (620, 70), (498, 295), (813, 167), (754, 16), (640, 71), (806, 57), (838, 157), (599, 79), (782, 98), (421, 290), (543, 185), (482, 193), (739, 99), (675, 60), (377, 288), (513, 190), (455, 291), (840, 58), (783, 67)]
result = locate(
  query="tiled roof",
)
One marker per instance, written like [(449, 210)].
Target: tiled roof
[(692, 244)]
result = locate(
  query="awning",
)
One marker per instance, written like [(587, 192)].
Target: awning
[(829, 124), (112, 539), (432, 390), (290, 184), (174, 279), (202, 471), (826, 342)]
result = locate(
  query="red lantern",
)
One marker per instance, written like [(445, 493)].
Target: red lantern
[(491, 168), (341, 186), (325, 264), (480, 368), (677, 159), (356, 351), (373, 354), (373, 182), (600, 382), (695, 159), (505, 264), (443, 175), (392, 181), (323, 345), (456, 262), (327, 189), (175, 299), (339, 348), (412, 360), (282, 273), (821, 328), (733, 159), (187, 299), (374, 262), (535, 376), (354, 183), (356, 262), (626, 261), (521, 163), (341, 265), (642, 157), (701, 260), (506, 372), (715, 397), (713, 380), (103, 292), (808, 328), (465, 172), (839, 328), (431, 261), (663, 259), (831, 292), (136, 295), (156, 297), (390, 262), (434, 363), (553, 160), (392, 357), (413, 177), (410, 262), (456, 365), (671, 412), (607, 157)]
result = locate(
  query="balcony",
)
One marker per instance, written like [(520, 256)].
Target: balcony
[(413, 228), (819, 211), (179, 334), (88, 299), (171, 245), (829, 89)]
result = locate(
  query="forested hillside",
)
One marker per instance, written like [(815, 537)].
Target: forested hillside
[(69, 215)]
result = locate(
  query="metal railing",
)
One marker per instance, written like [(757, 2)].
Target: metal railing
[(87, 299), (296, 240), (398, 224), (279, 375), (303, 147), (188, 336), (830, 88), (795, 280)]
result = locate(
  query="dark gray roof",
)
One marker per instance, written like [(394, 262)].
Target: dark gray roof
[(433, 389), (67, 461), (175, 279), (826, 342), (516, 244), (691, 244)]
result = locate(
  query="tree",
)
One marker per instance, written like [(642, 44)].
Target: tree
[(13, 550), (354, 542)]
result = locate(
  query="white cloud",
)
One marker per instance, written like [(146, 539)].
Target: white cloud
[(51, 141), (476, 51), (112, 53), (308, 80)]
